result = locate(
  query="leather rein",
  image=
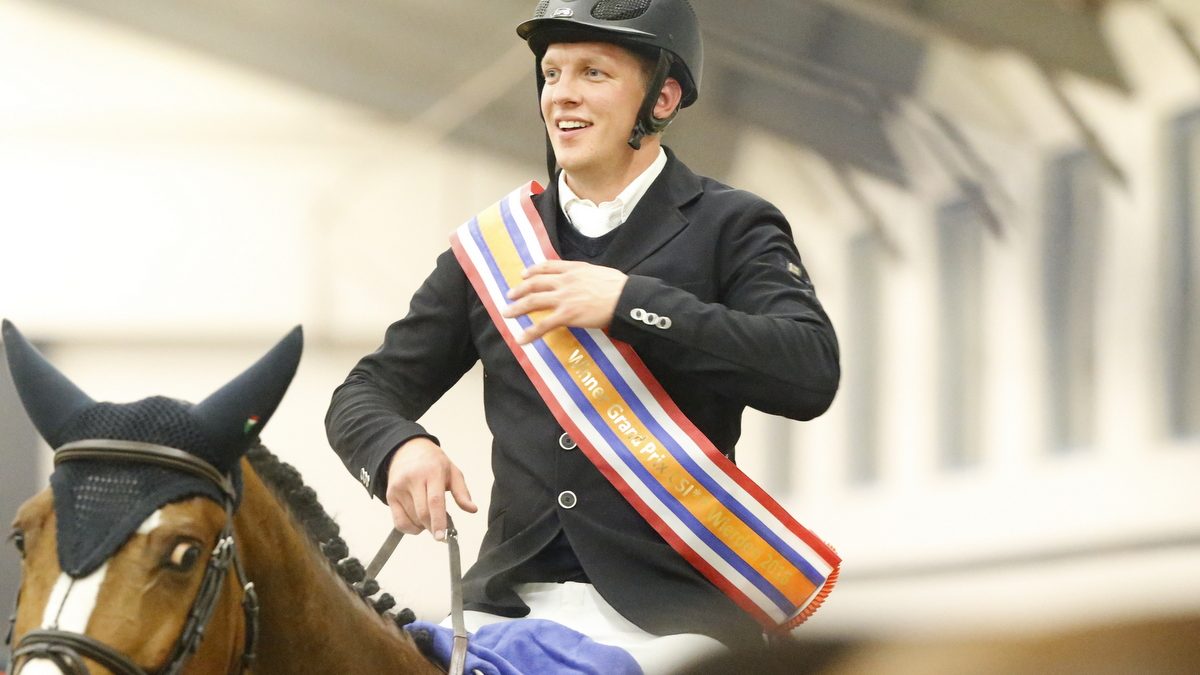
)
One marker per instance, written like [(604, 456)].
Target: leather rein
[(67, 649), (458, 651)]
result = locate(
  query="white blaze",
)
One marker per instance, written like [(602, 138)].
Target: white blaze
[(72, 602), (150, 523)]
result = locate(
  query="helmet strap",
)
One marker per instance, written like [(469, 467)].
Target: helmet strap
[(647, 124), (551, 160)]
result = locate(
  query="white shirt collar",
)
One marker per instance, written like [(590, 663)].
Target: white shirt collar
[(594, 220)]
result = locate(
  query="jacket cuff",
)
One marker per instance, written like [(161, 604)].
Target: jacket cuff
[(644, 309)]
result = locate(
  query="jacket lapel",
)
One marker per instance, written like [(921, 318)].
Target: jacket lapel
[(547, 207), (656, 219)]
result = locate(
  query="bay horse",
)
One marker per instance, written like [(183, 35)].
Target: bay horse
[(170, 541)]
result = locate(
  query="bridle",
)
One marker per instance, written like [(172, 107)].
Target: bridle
[(67, 649)]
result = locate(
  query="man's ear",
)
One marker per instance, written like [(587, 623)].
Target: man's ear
[(668, 99)]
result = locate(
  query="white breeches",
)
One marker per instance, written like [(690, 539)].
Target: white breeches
[(579, 607)]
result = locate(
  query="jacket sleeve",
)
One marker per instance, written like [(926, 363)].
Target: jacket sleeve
[(766, 343), (422, 356)]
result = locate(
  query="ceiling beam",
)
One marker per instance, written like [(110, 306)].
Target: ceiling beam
[(387, 56), (1057, 35)]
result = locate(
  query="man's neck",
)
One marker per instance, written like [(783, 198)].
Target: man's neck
[(604, 184)]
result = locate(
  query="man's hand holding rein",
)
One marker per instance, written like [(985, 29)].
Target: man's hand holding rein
[(419, 475), (570, 293)]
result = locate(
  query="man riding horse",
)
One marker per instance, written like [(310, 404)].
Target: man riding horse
[(628, 277)]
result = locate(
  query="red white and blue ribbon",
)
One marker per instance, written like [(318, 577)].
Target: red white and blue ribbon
[(602, 394)]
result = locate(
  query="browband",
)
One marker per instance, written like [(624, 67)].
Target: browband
[(145, 453)]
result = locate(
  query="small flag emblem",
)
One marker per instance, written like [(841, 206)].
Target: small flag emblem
[(251, 422)]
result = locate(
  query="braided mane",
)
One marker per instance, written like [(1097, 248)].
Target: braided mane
[(288, 486)]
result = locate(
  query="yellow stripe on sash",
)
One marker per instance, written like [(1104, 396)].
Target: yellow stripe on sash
[(500, 245)]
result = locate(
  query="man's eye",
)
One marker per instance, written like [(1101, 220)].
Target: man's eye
[(18, 540)]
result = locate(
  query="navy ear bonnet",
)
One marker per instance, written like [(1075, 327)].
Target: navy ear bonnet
[(100, 503)]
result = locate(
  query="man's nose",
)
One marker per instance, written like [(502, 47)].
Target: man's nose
[(566, 90)]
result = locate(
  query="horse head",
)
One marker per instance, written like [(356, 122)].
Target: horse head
[(124, 556)]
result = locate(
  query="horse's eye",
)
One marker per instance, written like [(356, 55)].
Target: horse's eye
[(184, 556), (18, 540)]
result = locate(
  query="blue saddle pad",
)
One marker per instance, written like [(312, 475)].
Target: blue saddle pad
[(532, 646)]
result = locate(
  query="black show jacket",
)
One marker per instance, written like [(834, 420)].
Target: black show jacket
[(745, 329)]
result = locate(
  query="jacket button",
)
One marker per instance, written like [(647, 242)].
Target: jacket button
[(566, 499), (565, 442)]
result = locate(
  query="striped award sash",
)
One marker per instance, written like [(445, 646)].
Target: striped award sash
[(599, 390)]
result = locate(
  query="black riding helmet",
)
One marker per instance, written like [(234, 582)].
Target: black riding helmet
[(666, 30)]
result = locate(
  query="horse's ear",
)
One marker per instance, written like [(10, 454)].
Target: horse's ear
[(50, 399), (235, 414)]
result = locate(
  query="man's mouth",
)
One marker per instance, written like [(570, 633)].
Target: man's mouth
[(572, 125)]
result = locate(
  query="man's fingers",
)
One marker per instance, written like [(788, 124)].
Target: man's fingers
[(540, 328), (419, 476), (549, 267), (437, 511), (402, 509), (536, 331), (420, 506), (531, 303), (533, 285), (458, 488), (401, 519)]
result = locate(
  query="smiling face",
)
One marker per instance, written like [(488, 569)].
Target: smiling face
[(590, 103)]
